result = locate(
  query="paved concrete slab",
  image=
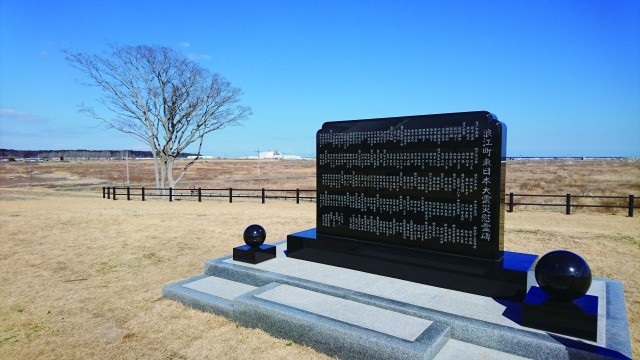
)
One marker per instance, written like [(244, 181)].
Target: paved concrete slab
[(223, 288), (367, 316), (338, 338), (455, 349)]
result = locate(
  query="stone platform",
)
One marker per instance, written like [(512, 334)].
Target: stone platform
[(357, 315)]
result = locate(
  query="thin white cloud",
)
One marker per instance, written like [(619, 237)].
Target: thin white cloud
[(185, 44), (25, 117), (194, 56)]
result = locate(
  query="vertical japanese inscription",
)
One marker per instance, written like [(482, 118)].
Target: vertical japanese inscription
[(429, 182)]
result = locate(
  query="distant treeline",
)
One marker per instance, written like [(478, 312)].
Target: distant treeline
[(77, 154)]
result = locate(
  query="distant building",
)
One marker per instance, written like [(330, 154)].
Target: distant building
[(272, 155), (269, 155), (204, 157), (277, 155)]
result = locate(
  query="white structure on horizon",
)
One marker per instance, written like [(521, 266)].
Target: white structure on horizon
[(277, 156), (202, 157), (272, 155)]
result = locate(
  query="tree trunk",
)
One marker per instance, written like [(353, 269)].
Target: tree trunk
[(170, 180), (163, 172), (156, 171)]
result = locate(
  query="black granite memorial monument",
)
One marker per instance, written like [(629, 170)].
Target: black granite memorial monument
[(431, 182), (419, 198)]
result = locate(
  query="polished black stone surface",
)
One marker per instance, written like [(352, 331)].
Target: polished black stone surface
[(563, 275), (429, 182), (504, 279), (578, 318), (254, 255), (254, 235)]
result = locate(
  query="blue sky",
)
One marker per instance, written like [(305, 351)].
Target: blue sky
[(563, 75)]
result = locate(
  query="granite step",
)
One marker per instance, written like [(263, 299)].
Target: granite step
[(333, 325)]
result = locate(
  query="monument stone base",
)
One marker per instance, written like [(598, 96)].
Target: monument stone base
[(356, 315), (254, 255), (577, 318), (503, 279)]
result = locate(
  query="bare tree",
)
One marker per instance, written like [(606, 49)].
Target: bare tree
[(161, 98)]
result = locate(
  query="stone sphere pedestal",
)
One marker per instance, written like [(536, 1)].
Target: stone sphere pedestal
[(255, 251), (560, 303)]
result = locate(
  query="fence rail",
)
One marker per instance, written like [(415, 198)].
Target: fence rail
[(310, 195), (200, 193), (567, 204)]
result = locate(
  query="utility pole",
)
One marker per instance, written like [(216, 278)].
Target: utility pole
[(258, 151)]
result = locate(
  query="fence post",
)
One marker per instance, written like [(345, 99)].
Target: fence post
[(199, 194), (143, 193), (263, 195), (230, 195), (104, 195), (114, 193), (510, 202), (631, 199), (568, 206), (297, 196), (170, 194), (128, 193)]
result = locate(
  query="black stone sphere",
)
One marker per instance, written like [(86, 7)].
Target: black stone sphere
[(563, 275), (254, 235)]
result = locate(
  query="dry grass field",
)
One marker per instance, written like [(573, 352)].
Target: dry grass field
[(82, 276), (578, 177), (90, 175)]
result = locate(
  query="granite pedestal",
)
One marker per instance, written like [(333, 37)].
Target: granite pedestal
[(254, 254), (577, 318), (356, 315)]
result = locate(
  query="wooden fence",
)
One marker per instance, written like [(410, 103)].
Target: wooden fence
[(567, 201), (199, 193)]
